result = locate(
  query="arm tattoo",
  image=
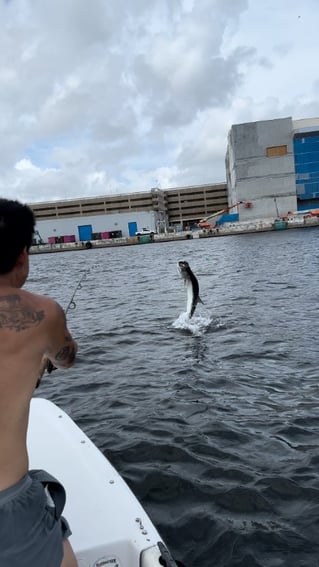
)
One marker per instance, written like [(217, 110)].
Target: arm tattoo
[(16, 315)]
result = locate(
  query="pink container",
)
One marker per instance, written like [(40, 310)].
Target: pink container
[(69, 238), (105, 235), (52, 240)]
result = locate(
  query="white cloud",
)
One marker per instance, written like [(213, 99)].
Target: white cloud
[(25, 164), (104, 97)]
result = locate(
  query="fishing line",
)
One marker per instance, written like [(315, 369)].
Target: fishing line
[(71, 305)]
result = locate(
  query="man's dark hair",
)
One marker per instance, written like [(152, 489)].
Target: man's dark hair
[(16, 231)]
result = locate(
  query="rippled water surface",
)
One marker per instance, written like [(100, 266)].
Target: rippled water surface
[(215, 426)]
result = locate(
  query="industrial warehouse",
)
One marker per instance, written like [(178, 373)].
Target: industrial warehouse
[(272, 171), (111, 217)]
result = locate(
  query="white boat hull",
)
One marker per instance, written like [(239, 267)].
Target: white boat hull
[(109, 526)]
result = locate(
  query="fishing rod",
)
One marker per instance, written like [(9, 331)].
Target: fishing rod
[(71, 305)]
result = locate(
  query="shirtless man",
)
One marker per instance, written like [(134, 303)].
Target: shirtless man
[(32, 331)]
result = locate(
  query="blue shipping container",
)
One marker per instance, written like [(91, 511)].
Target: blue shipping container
[(85, 232), (132, 228)]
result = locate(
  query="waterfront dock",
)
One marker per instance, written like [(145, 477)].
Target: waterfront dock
[(229, 229)]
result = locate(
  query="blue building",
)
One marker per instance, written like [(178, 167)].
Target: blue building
[(274, 166), (306, 155)]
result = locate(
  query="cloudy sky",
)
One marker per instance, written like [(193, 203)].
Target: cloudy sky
[(114, 96)]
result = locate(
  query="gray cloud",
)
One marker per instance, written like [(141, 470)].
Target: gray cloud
[(115, 96)]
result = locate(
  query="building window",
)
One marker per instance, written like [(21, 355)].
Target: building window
[(276, 151)]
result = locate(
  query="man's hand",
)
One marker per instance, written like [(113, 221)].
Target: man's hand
[(46, 365), (50, 367)]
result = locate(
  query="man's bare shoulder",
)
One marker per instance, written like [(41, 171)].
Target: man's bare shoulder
[(21, 310), (47, 302)]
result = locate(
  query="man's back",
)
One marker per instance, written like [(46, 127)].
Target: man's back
[(33, 332), (27, 333)]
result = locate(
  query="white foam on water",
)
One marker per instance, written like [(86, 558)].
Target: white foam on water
[(197, 325)]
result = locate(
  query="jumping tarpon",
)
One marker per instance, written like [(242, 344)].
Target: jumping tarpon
[(192, 287)]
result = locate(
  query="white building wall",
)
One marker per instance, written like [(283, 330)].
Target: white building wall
[(261, 167), (100, 223), (269, 203), (306, 124), (268, 182), (230, 171)]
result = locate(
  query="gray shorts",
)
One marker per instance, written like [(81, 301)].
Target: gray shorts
[(31, 526)]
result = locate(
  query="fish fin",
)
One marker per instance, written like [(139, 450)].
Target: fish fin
[(200, 301)]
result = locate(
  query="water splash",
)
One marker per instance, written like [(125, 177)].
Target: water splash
[(197, 325)]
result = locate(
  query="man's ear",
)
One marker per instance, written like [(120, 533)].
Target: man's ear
[(23, 257)]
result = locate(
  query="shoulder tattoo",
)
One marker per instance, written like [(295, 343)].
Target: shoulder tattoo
[(16, 315)]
